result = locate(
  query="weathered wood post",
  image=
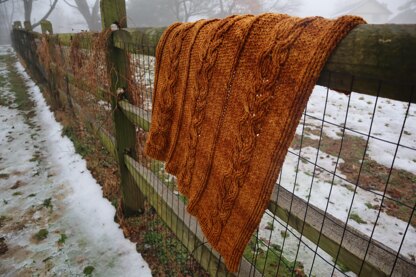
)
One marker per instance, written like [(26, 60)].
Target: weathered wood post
[(114, 12), (46, 27), (15, 38), (17, 25), (28, 25)]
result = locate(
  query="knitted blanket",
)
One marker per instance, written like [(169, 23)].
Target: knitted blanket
[(227, 99)]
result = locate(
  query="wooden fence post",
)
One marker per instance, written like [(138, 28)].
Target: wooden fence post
[(14, 36), (114, 12), (46, 27), (17, 25), (27, 25)]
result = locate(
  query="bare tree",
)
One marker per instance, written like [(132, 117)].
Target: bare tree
[(228, 7), (185, 9), (7, 9), (6, 13), (90, 14), (286, 6), (409, 5), (222, 8), (145, 13), (164, 12), (28, 6)]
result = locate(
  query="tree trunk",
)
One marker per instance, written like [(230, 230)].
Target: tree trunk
[(28, 9), (91, 17)]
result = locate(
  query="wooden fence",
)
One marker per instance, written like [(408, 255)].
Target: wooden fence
[(378, 60)]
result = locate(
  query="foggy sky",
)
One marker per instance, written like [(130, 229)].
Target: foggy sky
[(327, 8), (67, 19)]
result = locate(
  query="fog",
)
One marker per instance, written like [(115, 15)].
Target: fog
[(82, 15), (330, 8)]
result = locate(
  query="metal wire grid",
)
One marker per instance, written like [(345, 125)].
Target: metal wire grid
[(91, 105), (85, 86), (296, 267), (356, 184)]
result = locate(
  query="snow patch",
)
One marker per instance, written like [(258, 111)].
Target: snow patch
[(76, 208), (386, 126)]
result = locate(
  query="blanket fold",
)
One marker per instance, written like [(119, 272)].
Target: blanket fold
[(227, 99)]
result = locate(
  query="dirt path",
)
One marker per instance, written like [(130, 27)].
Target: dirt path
[(53, 218)]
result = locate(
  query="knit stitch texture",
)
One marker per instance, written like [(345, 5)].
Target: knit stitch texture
[(228, 97)]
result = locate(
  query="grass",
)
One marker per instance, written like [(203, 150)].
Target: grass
[(343, 268), (17, 85), (269, 226), (168, 249), (350, 187), (269, 261), (4, 176), (3, 83), (47, 203), (276, 247), (88, 270), (62, 239), (284, 234), (41, 234), (80, 148), (370, 206), (35, 158), (357, 218), (3, 219)]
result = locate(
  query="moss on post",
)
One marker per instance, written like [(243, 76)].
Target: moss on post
[(113, 11), (46, 27)]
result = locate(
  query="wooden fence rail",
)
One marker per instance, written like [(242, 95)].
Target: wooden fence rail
[(370, 53)]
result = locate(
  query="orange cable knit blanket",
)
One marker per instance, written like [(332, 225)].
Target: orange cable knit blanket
[(228, 97)]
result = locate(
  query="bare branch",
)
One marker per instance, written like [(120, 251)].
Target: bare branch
[(47, 14), (71, 5)]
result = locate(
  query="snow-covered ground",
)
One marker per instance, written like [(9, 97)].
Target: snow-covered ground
[(275, 232), (45, 185), (387, 124), (298, 177), (144, 74)]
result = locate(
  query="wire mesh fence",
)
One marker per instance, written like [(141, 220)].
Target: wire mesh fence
[(344, 202)]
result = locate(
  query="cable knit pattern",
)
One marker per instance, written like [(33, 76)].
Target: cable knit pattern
[(201, 89), (255, 108), (224, 119), (164, 120)]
